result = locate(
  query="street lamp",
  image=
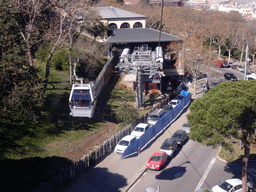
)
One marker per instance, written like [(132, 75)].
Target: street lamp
[(246, 58)]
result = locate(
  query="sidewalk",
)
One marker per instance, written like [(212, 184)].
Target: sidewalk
[(199, 88)]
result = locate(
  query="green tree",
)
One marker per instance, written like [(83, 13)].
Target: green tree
[(60, 61), (126, 113), (20, 93), (226, 111), (43, 52)]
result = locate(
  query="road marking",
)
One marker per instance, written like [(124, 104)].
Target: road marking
[(205, 174)]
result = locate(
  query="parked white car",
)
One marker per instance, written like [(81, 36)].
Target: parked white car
[(174, 102), (250, 76), (140, 129), (230, 185), (124, 143)]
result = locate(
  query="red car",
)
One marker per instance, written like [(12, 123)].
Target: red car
[(157, 160), (221, 63)]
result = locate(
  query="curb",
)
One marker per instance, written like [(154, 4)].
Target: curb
[(136, 180), (218, 157)]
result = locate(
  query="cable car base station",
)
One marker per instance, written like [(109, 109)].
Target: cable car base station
[(142, 62)]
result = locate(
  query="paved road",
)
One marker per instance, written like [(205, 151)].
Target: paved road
[(222, 171), (182, 173)]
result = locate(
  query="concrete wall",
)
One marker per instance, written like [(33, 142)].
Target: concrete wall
[(131, 22)]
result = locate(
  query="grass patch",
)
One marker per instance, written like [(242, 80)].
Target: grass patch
[(238, 153), (120, 94), (58, 80)]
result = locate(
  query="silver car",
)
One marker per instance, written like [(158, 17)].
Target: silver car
[(185, 127)]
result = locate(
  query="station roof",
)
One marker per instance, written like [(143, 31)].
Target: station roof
[(141, 35), (110, 12)]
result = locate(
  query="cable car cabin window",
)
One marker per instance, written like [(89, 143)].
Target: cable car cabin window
[(81, 98)]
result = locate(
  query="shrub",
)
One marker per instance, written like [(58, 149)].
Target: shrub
[(126, 113), (43, 52), (237, 54), (60, 61)]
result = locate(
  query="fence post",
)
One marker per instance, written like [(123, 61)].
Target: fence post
[(110, 147), (88, 160), (103, 148), (96, 155)]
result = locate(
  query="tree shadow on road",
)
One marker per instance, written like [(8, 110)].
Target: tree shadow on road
[(32, 172), (235, 167)]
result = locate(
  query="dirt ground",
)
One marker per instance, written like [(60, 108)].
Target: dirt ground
[(76, 150)]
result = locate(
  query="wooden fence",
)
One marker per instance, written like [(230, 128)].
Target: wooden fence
[(89, 160)]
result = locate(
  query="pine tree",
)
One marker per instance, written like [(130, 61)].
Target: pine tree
[(226, 111), (20, 92)]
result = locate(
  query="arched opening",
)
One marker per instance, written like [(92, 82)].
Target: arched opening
[(125, 25), (112, 26), (137, 25)]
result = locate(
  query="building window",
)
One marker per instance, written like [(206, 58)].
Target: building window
[(137, 25), (125, 25), (112, 26)]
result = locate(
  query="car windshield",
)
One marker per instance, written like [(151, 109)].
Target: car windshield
[(81, 98), (167, 145), (177, 135), (153, 117), (225, 186), (155, 158), (124, 143), (139, 129)]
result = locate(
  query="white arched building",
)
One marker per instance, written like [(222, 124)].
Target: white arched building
[(117, 18)]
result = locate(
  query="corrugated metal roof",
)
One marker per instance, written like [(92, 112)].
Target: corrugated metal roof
[(110, 12), (141, 35)]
